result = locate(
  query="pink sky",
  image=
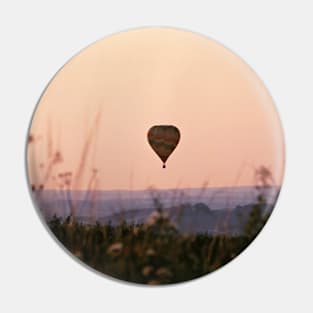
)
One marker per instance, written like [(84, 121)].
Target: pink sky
[(156, 76)]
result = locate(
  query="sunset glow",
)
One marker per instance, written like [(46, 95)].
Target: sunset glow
[(113, 92)]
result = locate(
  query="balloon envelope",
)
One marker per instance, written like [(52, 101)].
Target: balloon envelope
[(163, 139)]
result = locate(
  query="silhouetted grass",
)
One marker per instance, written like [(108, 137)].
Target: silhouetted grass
[(152, 254)]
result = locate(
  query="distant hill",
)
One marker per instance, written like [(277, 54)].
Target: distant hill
[(196, 218), (191, 210)]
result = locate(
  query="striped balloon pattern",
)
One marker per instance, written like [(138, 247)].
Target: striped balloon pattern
[(163, 139)]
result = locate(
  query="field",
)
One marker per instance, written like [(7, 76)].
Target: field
[(152, 254)]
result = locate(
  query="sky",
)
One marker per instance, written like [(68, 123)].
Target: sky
[(112, 92)]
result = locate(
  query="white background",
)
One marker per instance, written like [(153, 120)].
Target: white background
[(274, 273)]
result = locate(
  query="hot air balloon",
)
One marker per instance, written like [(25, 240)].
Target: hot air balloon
[(163, 139)]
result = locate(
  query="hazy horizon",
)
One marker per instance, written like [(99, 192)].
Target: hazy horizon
[(181, 188)]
